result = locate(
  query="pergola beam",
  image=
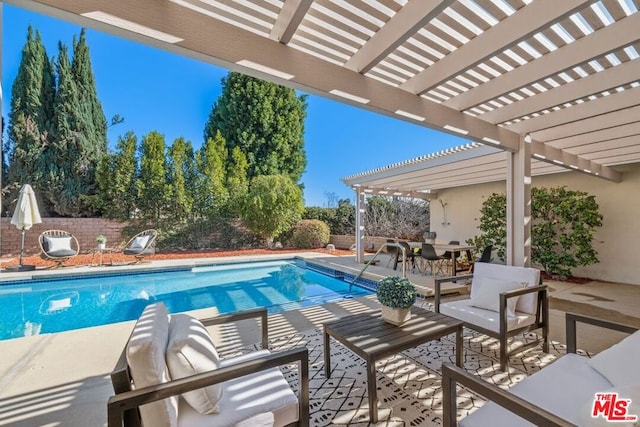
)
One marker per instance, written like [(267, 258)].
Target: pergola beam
[(398, 193), (607, 104), (549, 154), (583, 50), (520, 26), (289, 19), (610, 78), (588, 125), (403, 25)]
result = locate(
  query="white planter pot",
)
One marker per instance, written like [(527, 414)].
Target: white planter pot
[(102, 246), (396, 316)]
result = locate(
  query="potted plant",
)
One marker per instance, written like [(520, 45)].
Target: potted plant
[(397, 295), (102, 242)]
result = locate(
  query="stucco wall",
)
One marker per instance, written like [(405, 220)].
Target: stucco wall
[(617, 242)]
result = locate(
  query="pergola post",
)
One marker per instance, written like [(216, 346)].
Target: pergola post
[(519, 204), (360, 207)]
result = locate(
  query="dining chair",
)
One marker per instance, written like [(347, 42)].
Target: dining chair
[(392, 251), (430, 257), (409, 256), (446, 257)]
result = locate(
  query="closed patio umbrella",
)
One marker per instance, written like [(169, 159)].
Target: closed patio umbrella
[(24, 217)]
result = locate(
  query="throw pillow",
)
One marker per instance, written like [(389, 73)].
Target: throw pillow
[(618, 361), (145, 355), (626, 392), (487, 294), (53, 244), (191, 351), (140, 242)]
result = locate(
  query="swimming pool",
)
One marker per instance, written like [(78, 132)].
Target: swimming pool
[(61, 304)]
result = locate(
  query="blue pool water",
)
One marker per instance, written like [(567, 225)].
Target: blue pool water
[(54, 305)]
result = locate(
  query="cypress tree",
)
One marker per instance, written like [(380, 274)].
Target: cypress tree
[(263, 119), (153, 191), (30, 118), (237, 181), (212, 194), (180, 165), (116, 178), (70, 163), (94, 123)]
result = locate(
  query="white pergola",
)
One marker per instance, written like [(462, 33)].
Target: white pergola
[(556, 81)]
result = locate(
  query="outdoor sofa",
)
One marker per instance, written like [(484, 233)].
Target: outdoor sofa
[(561, 394), (169, 374)]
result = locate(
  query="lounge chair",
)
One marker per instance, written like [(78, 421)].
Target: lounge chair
[(58, 246), (141, 245), (505, 301), (171, 356)]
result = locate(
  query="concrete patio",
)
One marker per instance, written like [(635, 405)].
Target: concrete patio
[(62, 378)]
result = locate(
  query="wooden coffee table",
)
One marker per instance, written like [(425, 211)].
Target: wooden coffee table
[(373, 339)]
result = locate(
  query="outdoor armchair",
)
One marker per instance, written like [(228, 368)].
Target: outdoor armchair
[(58, 246), (505, 301), (141, 245), (169, 373), (561, 394)]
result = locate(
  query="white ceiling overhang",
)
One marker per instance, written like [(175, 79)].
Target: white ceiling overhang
[(564, 72)]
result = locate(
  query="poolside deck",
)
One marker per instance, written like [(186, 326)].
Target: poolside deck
[(62, 378)]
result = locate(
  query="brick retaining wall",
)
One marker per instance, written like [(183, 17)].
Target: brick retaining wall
[(84, 229), (345, 242)]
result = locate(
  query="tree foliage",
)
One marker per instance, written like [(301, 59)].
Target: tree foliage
[(274, 204), (563, 226), (31, 118), (237, 182), (57, 134), (153, 189), (116, 178), (396, 217), (180, 166), (264, 120), (340, 219), (212, 157)]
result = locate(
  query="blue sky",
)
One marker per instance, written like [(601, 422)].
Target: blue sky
[(157, 90)]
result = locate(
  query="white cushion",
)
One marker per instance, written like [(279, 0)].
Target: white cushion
[(619, 363), (246, 397), (487, 319), (58, 243), (488, 297), (146, 358), (561, 388), (526, 303), (627, 392), (140, 242), (190, 351)]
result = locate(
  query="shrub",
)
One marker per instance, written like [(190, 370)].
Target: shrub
[(396, 292), (563, 226), (310, 233)]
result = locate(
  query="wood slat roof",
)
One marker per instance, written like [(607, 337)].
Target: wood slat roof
[(564, 72)]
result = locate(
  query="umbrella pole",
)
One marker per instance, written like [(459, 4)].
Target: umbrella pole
[(22, 247)]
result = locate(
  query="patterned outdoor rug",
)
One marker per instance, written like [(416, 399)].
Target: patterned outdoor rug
[(409, 389)]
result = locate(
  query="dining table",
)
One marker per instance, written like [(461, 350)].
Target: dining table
[(444, 247)]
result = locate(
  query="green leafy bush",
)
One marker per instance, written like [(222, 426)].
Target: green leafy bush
[(396, 292), (563, 225), (310, 233)]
